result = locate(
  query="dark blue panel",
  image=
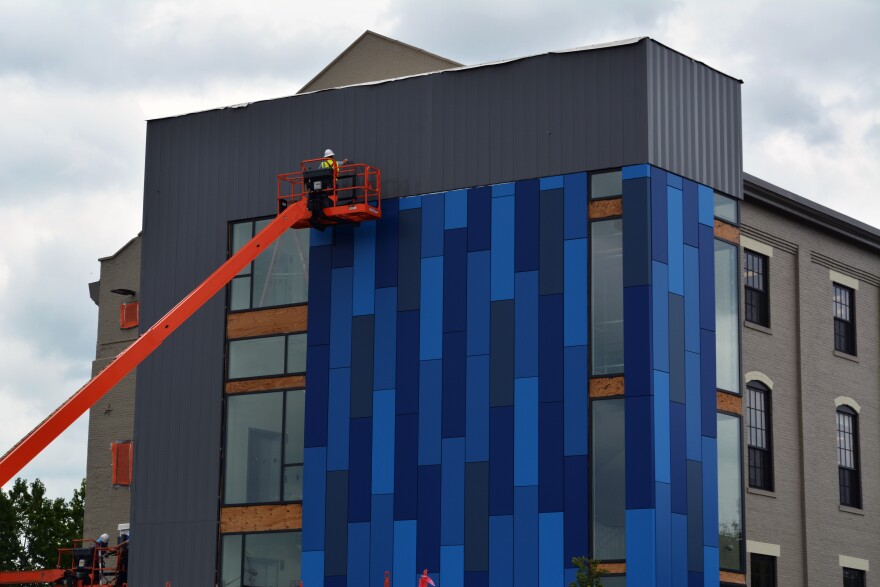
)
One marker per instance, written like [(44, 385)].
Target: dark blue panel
[(456, 210), (362, 338), (452, 492), (637, 340), (550, 557), (340, 317), (526, 321), (639, 453), (690, 212), (476, 517), (428, 531), (707, 278), (406, 461), (334, 580), (659, 214), (343, 246), (577, 521), (338, 419), (433, 219), (637, 232), (575, 296), (710, 493), (478, 295), (360, 469), (661, 426), (676, 348), (525, 535), (576, 400), (693, 407), (430, 411), (404, 552), (527, 225), (501, 551), (314, 498), (575, 207), (525, 432), (318, 373), (364, 269), (386, 245), (336, 534), (479, 219), (409, 264), (660, 316), (358, 550), (381, 539), (431, 314), (676, 244), (383, 442), (551, 239), (550, 350), (695, 516), (475, 578), (502, 247), (641, 568), (695, 579), (550, 457), (407, 362), (319, 238), (477, 413), (319, 296), (679, 550), (663, 532), (678, 457), (691, 299), (708, 397), (455, 273), (454, 384), (501, 461), (502, 349), (385, 339)]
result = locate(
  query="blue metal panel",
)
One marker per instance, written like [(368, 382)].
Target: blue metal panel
[(313, 567), (527, 226), (430, 410), (456, 211), (637, 363), (695, 516), (637, 232), (383, 441), (575, 294), (410, 202), (551, 367), (526, 325), (433, 220), (550, 457), (576, 206), (476, 517), (635, 171), (661, 426), (707, 278), (501, 190), (576, 400), (479, 220), (713, 567), (691, 299), (674, 181), (475, 578), (452, 492), (406, 462), (676, 348), (693, 406), (431, 313), (358, 550), (639, 453), (453, 420), (478, 291), (695, 579), (641, 563), (708, 394), (502, 247), (477, 412), (551, 242), (404, 553), (577, 520), (318, 238), (551, 183), (318, 373), (381, 539), (455, 273), (342, 253), (340, 317), (336, 534), (407, 362), (659, 216), (663, 533), (314, 496), (428, 531), (675, 242), (409, 261), (707, 205), (364, 269), (501, 360), (360, 469), (385, 343), (678, 539), (691, 206), (551, 561), (525, 432), (678, 457), (386, 245), (660, 317), (319, 296), (363, 339), (710, 492), (452, 565), (525, 536), (501, 460), (338, 419), (501, 551), (570, 575)]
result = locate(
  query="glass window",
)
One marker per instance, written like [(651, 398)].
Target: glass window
[(844, 319), (757, 300), (278, 276), (267, 356), (763, 570), (760, 451), (853, 578), (730, 515), (606, 185), (609, 480), (617, 581), (726, 317), (606, 303), (726, 209), (266, 559), (848, 457)]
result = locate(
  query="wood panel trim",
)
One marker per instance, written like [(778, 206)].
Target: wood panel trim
[(268, 384), (726, 232), (735, 578), (261, 518), (727, 402), (606, 386), (614, 568), (606, 208), (285, 320)]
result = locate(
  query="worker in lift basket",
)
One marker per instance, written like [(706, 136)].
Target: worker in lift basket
[(103, 541), (320, 200)]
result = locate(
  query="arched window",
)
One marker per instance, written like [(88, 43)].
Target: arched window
[(759, 428), (848, 457)]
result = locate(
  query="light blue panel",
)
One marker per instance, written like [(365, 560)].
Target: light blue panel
[(679, 549), (503, 189), (430, 410), (383, 441), (478, 297), (710, 492), (385, 339), (525, 432), (313, 568), (641, 564), (456, 209), (364, 268), (452, 566), (431, 312), (660, 315), (359, 548), (675, 239), (340, 316), (551, 183), (664, 532), (410, 202), (404, 553), (693, 411), (339, 409), (575, 203), (706, 199), (691, 299), (477, 409), (452, 493), (502, 247), (661, 426), (576, 398), (575, 292), (634, 171), (319, 238), (526, 325), (314, 500), (381, 539), (711, 566), (673, 181), (500, 551), (551, 560)]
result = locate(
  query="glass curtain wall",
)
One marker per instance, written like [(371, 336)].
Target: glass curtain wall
[(726, 317), (606, 297), (608, 476), (730, 512), (267, 559)]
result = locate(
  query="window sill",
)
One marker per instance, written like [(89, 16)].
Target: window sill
[(758, 327), (764, 492), (846, 356), (852, 510)]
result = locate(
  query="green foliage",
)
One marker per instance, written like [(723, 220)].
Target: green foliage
[(589, 573), (33, 526)]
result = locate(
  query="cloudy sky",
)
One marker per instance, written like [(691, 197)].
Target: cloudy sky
[(78, 80)]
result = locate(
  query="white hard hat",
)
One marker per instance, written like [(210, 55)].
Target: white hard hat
[(105, 538), (329, 153)]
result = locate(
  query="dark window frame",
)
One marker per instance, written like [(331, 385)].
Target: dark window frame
[(848, 465), (756, 285), (759, 426), (844, 309), (762, 579), (854, 577)]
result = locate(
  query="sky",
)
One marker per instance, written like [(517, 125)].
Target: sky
[(78, 80)]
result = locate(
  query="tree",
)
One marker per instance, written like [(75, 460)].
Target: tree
[(589, 573)]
